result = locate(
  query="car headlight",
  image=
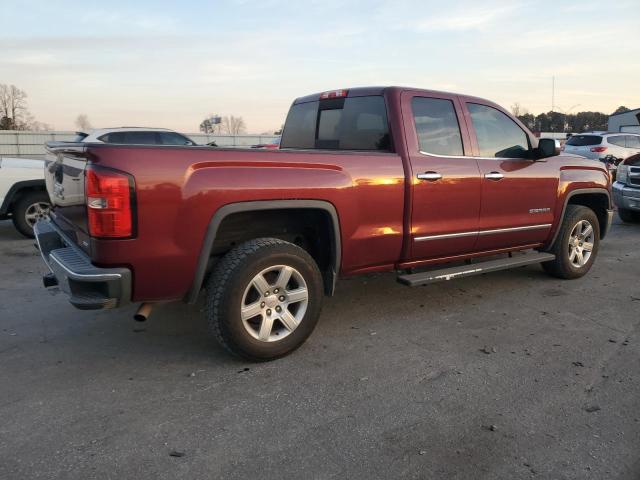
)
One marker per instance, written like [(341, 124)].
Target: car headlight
[(623, 173)]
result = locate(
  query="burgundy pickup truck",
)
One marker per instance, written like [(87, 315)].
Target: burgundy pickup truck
[(366, 180)]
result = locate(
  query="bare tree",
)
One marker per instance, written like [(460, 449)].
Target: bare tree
[(518, 110), (233, 125), (82, 122), (13, 108)]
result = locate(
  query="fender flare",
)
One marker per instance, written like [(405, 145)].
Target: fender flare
[(579, 191), (15, 188), (229, 209)]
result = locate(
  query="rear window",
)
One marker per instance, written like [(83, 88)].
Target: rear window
[(357, 123), (584, 140)]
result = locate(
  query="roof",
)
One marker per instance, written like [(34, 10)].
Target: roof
[(102, 131), (635, 110)]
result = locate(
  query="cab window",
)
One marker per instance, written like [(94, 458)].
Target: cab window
[(351, 123), (498, 136), (437, 126)]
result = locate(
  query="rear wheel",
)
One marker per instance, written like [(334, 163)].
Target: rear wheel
[(264, 298), (576, 245), (628, 216), (30, 208)]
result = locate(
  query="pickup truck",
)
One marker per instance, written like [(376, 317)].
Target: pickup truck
[(366, 180), (23, 196)]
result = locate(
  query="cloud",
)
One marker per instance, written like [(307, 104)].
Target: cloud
[(466, 19)]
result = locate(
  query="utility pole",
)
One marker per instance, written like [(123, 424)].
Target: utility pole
[(553, 93)]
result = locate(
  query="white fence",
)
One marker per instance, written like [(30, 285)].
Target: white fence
[(31, 144)]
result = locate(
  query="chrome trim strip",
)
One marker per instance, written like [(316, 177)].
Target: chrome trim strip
[(515, 229), (446, 235), (482, 232)]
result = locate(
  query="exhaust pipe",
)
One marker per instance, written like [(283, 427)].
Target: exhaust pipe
[(143, 312)]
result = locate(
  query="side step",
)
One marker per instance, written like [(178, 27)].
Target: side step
[(433, 276)]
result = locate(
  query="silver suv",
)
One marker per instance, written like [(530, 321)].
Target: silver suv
[(600, 145)]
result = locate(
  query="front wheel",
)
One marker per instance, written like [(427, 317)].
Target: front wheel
[(30, 207), (264, 298), (576, 245)]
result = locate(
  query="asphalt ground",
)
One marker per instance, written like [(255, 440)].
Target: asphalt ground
[(505, 376)]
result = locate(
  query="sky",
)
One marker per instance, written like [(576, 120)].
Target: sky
[(171, 64)]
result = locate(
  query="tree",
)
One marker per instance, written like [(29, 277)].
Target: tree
[(621, 109), (13, 108), (14, 114), (232, 125), (82, 122), (518, 110)]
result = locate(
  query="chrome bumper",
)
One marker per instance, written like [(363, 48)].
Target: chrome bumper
[(88, 287), (626, 197)]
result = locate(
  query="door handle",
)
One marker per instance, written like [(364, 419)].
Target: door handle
[(430, 176), (495, 176)]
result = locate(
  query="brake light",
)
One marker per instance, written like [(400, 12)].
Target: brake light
[(109, 203), (598, 149), (334, 94)]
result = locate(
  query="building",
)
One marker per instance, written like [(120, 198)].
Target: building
[(625, 122)]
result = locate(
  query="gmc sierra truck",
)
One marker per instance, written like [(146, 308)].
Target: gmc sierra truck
[(365, 180)]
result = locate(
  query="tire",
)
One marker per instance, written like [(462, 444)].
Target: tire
[(235, 283), (567, 265), (29, 208), (628, 216)]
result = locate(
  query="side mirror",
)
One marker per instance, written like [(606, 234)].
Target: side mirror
[(548, 147)]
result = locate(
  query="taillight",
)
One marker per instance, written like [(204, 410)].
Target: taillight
[(598, 149), (109, 203), (334, 94)]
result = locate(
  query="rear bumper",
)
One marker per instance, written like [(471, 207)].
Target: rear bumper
[(88, 287), (625, 197)]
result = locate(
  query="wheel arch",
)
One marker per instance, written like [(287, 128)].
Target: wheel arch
[(17, 190), (597, 199), (225, 212)]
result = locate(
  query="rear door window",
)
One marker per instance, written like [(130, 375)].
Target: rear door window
[(584, 140), (141, 138), (617, 140), (173, 138), (497, 135), (437, 126), (356, 123)]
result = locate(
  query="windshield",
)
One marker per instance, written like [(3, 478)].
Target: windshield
[(584, 140)]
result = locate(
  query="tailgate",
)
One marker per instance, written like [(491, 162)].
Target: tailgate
[(64, 176)]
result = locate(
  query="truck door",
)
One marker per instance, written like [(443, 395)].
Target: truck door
[(518, 193), (445, 183)]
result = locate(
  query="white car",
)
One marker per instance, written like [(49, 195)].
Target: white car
[(134, 136), (23, 195)]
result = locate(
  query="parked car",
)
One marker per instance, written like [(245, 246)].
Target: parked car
[(274, 145), (365, 180), (609, 148), (23, 194), (134, 136), (626, 189)]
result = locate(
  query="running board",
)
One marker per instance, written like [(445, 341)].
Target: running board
[(433, 276)]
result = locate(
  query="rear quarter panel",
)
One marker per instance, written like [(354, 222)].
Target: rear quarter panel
[(179, 189)]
